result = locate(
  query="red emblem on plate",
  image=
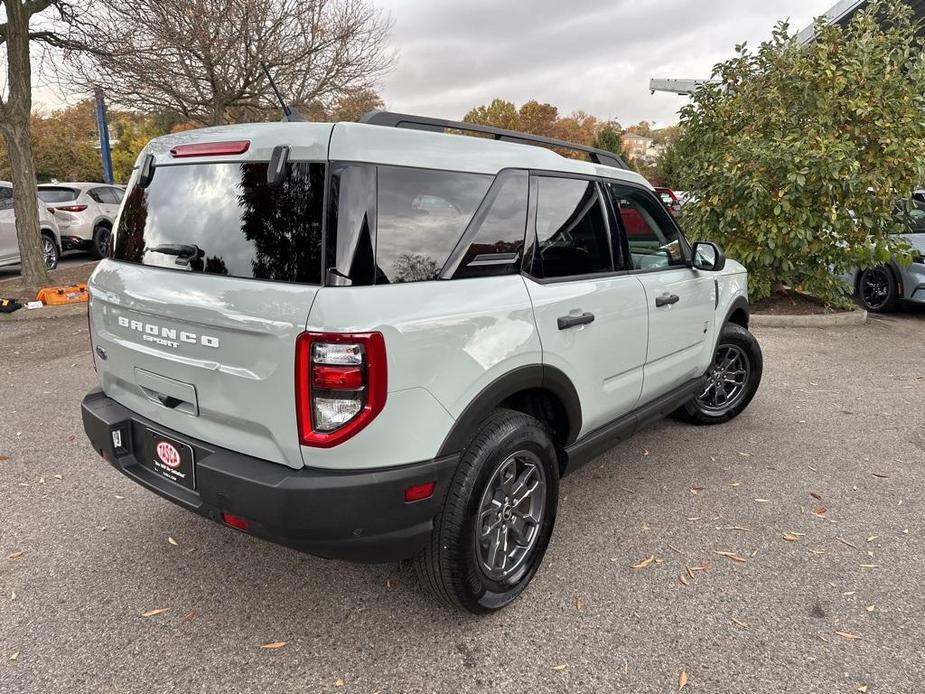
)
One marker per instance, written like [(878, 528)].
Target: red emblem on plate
[(169, 455)]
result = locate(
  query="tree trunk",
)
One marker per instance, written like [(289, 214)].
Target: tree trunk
[(25, 206), (15, 126)]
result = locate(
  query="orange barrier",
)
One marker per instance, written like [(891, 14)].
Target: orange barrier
[(56, 296)]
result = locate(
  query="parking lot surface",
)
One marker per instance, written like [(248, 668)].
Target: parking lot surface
[(787, 553)]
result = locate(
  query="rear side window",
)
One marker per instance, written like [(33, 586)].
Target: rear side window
[(225, 219), (572, 235), (494, 242), (6, 198), (421, 216), (97, 195), (62, 194)]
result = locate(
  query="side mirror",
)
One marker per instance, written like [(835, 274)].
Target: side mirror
[(708, 256)]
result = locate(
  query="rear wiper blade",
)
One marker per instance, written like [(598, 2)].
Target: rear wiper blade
[(184, 252)]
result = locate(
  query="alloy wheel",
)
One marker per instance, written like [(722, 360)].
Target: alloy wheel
[(510, 515), (726, 379), (49, 252), (875, 288)]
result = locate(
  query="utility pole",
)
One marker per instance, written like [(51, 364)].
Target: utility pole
[(103, 128)]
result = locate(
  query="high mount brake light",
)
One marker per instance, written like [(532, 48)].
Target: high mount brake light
[(210, 149), (341, 383)]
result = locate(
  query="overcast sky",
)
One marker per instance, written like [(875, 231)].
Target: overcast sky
[(592, 55)]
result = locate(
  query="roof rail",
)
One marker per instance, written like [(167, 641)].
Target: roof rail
[(403, 120)]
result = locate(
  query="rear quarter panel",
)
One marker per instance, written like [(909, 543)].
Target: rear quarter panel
[(445, 342)]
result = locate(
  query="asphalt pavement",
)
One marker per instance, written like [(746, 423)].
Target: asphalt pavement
[(787, 553)]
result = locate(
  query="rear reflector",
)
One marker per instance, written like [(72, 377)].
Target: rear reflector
[(235, 521), (419, 492), (211, 149)]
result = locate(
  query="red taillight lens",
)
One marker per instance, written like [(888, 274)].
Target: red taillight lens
[(419, 492), (71, 208), (211, 149), (341, 385), (235, 521)]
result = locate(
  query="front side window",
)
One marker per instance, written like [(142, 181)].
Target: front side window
[(6, 198), (572, 235), (225, 219), (654, 241), (421, 217)]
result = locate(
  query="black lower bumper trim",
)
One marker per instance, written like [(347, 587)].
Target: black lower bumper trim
[(359, 516)]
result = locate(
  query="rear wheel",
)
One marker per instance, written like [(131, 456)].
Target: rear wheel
[(102, 238), (877, 290), (50, 251), (731, 381), (490, 538)]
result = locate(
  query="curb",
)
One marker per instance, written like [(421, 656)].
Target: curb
[(824, 320), (45, 313)]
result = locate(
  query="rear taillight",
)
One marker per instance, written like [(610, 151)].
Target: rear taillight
[(71, 208), (341, 385)]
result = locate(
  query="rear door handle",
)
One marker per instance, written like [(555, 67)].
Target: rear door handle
[(666, 300), (566, 322)]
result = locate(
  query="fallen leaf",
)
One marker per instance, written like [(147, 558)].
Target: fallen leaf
[(559, 667), (273, 645), (790, 537), (188, 617), (338, 682), (14, 656), (16, 555), (744, 455), (870, 566), (741, 624), (682, 680), (763, 501), (645, 452), (696, 490), (870, 608), (682, 579), (883, 477), (845, 542), (151, 613), (863, 689), (850, 637), (872, 538), (171, 541), (4, 458), (732, 556), (817, 497), (119, 497), (821, 511), (579, 605), (645, 562), (58, 477)]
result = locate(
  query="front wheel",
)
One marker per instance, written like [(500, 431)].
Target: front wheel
[(731, 382), (490, 538), (877, 290)]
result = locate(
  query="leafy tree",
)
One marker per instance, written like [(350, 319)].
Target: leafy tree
[(798, 154), (610, 138)]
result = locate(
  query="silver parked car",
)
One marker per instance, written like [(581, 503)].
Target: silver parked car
[(880, 289), (9, 245), (85, 213)]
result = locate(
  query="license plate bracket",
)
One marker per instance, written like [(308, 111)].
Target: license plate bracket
[(171, 459)]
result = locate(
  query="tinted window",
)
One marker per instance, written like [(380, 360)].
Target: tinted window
[(654, 241), (53, 195), (116, 194), (570, 228), (421, 216), (97, 194), (109, 196), (6, 198), (497, 232), (352, 226), (229, 219)]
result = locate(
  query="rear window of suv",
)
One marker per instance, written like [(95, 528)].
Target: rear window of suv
[(52, 195), (225, 219)]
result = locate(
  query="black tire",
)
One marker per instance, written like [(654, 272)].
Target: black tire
[(451, 567), (50, 250), (102, 238), (877, 289), (707, 408)]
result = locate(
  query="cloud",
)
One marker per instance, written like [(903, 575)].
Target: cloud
[(579, 55)]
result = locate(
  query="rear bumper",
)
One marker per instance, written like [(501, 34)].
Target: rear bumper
[(359, 516)]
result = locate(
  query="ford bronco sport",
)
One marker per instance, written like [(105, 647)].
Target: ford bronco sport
[(381, 340)]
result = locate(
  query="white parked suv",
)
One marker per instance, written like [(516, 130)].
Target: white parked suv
[(380, 341), (85, 213), (9, 243)]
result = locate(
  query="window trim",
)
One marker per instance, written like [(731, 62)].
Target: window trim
[(531, 243)]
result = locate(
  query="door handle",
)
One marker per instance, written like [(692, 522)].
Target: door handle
[(566, 322), (666, 300)]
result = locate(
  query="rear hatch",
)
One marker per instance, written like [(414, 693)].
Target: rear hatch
[(212, 276)]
